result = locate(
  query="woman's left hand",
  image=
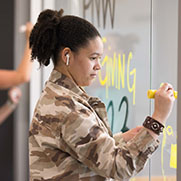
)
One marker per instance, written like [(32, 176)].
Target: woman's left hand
[(131, 133)]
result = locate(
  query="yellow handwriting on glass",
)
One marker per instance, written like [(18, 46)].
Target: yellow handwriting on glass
[(114, 72)]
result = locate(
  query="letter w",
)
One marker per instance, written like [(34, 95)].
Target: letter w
[(111, 10)]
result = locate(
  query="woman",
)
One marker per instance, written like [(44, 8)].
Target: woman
[(69, 137)]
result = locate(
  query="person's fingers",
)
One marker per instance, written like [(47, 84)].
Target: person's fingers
[(166, 86), (170, 92), (15, 94), (29, 27), (18, 94)]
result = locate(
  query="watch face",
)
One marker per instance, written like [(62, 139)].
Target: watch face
[(155, 126)]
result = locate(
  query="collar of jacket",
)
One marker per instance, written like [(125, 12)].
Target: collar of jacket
[(64, 81)]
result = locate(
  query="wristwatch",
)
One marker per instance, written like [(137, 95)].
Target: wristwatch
[(153, 125)]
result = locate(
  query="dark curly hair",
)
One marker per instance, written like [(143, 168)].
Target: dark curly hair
[(53, 32)]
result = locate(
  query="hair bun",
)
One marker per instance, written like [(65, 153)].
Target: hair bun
[(51, 16), (45, 16)]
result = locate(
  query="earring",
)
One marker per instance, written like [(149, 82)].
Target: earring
[(67, 62)]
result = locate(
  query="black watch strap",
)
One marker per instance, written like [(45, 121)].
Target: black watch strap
[(153, 125)]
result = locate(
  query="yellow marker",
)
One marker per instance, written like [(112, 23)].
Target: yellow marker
[(151, 94)]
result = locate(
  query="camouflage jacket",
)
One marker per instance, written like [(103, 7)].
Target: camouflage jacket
[(70, 139)]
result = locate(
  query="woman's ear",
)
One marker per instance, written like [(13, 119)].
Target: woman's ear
[(65, 55)]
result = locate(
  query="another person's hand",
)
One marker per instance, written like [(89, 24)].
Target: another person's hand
[(164, 99), (131, 133), (14, 95), (29, 27)]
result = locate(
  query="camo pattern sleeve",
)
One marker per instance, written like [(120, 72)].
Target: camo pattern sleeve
[(70, 139)]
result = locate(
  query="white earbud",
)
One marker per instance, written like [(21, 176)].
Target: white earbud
[(67, 62)]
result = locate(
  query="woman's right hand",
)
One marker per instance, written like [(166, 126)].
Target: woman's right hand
[(164, 100)]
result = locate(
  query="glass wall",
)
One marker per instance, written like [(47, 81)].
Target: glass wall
[(164, 69)]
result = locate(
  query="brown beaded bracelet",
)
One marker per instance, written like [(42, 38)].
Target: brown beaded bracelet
[(153, 125)]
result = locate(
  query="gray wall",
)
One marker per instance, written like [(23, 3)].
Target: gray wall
[(6, 62)]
